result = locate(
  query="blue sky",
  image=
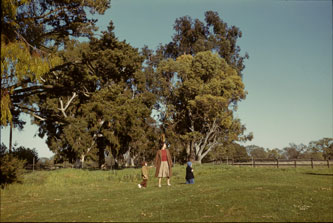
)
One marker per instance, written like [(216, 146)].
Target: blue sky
[(288, 75)]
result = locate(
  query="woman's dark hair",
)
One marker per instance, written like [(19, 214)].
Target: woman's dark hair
[(162, 140)]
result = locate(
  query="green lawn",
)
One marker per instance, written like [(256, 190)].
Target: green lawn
[(220, 193)]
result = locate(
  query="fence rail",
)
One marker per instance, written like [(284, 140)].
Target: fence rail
[(35, 166), (274, 162), (234, 162)]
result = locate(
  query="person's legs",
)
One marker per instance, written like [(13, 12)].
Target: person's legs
[(159, 181), (190, 181), (168, 181), (144, 183)]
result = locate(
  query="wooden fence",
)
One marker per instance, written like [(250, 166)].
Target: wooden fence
[(275, 162), (278, 163), (47, 166)]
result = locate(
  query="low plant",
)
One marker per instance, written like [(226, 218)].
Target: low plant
[(11, 169)]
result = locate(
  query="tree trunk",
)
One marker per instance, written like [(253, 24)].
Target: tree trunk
[(201, 153), (188, 150), (127, 157), (199, 158), (132, 161), (10, 136), (101, 157), (192, 155), (82, 160), (197, 161)]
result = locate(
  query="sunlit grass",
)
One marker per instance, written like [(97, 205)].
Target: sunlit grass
[(220, 193)]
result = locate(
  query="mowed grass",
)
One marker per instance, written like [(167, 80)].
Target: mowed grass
[(220, 193)]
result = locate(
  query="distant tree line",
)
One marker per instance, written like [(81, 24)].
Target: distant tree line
[(319, 150)]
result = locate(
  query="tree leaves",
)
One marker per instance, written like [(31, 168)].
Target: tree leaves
[(18, 68), (199, 92), (31, 31), (193, 36), (112, 108)]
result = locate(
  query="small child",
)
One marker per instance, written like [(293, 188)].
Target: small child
[(144, 173), (189, 174)]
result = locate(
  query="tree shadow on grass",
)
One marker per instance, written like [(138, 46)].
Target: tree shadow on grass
[(320, 174)]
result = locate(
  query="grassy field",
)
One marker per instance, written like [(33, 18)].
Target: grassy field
[(220, 193)]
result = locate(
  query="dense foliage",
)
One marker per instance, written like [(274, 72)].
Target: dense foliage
[(11, 167), (31, 34), (200, 101), (27, 154), (198, 81), (101, 105)]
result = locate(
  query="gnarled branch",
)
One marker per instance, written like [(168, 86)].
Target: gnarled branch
[(62, 108)]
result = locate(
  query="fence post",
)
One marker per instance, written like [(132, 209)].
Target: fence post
[(277, 163), (295, 163), (328, 163), (312, 163), (227, 161), (253, 162), (232, 161), (33, 164)]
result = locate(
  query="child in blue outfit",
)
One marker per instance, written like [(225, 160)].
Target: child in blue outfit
[(189, 174)]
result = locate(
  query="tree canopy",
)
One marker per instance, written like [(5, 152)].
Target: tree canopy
[(31, 33), (198, 81), (101, 103), (193, 36), (201, 92)]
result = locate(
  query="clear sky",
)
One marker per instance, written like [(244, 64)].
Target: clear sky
[(288, 75)]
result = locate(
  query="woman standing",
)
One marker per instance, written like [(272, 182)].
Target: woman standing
[(163, 164)]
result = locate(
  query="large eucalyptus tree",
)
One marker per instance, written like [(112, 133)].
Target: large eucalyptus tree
[(198, 80), (99, 103)]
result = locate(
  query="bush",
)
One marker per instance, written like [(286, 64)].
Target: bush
[(26, 154), (11, 169)]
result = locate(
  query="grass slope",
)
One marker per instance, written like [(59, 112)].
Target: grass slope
[(220, 193)]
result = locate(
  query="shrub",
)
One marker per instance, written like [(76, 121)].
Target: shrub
[(11, 169), (26, 154)]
